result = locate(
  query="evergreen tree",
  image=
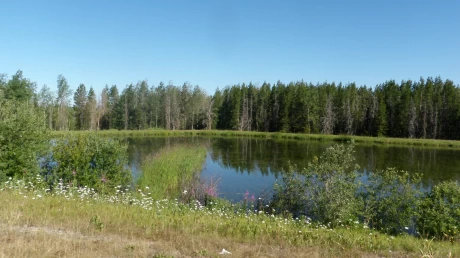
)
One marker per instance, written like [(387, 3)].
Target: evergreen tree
[(91, 110), (113, 100), (79, 99), (19, 88), (381, 118)]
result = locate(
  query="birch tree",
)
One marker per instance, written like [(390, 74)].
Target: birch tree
[(63, 94)]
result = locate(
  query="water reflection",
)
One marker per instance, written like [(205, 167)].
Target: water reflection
[(252, 164)]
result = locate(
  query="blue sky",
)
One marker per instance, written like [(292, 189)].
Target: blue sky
[(218, 43)]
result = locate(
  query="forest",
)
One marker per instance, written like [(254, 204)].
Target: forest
[(427, 108)]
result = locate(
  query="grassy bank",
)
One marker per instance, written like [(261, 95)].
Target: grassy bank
[(75, 223), (171, 167), (318, 137)]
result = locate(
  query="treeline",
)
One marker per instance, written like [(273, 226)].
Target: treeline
[(427, 108), (139, 106), (416, 109)]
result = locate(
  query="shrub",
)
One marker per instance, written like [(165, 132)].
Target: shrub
[(88, 160), (289, 196), (325, 191), (23, 138), (332, 184), (390, 200), (332, 191), (439, 214)]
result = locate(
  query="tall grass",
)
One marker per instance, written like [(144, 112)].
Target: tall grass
[(268, 135), (169, 168)]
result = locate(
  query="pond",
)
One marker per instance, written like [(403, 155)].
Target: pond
[(254, 165)]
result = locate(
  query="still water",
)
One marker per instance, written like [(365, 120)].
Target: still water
[(254, 165)]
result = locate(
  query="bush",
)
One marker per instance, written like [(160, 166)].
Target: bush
[(289, 196), (325, 191), (88, 160), (440, 212), (390, 199), (331, 191), (23, 139)]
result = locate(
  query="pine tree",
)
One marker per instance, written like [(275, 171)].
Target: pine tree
[(79, 99)]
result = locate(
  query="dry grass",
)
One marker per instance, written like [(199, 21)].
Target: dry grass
[(46, 242)]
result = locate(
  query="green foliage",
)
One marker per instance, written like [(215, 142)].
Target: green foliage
[(331, 191), (331, 183), (325, 191), (80, 101), (90, 160), (440, 212), (381, 121), (2, 85), (23, 137), (390, 199), (63, 94), (289, 197), (96, 222), (428, 109), (19, 88)]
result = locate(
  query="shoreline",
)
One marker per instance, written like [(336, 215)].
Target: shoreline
[(272, 135)]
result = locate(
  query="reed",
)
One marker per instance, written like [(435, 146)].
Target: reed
[(165, 170)]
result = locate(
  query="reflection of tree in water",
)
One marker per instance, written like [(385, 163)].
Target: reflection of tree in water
[(271, 156), (433, 164), (141, 147), (251, 155)]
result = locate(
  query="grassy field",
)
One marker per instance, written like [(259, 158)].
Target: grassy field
[(74, 224), (318, 137)]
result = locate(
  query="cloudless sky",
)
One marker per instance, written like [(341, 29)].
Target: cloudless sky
[(219, 43)]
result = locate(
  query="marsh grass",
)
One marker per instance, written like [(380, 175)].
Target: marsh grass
[(277, 135), (171, 168)]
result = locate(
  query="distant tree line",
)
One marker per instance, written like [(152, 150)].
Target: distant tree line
[(427, 108)]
